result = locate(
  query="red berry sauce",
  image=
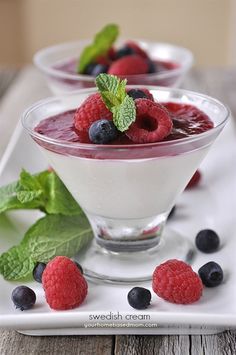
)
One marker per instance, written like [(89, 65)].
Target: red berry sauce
[(187, 121)]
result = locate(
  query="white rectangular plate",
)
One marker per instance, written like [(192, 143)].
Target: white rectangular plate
[(211, 205)]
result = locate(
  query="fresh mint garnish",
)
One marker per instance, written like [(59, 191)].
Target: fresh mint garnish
[(122, 106), (44, 191), (102, 42), (50, 236)]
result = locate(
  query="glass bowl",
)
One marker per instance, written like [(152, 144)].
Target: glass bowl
[(61, 81), (127, 191)]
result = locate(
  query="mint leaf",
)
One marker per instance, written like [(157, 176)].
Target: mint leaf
[(101, 44), (50, 236), (44, 191), (113, 93), (124, 114), (16, 264), (57, 235), (58, 198)]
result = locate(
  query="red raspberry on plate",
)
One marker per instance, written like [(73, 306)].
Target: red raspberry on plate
[(91, 110), (176, 282), (129, 65), (195, 179), (152, 123), (64, 285), (137, 49)]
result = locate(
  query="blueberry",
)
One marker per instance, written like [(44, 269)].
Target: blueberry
[(38, 271), (98, 69), (23, 297), (122, 52), (151, 66), (102, 131), (79, 267), (211, 274), (207, 241), (172, 212), (137, 94), (89, 69), (139, 297)]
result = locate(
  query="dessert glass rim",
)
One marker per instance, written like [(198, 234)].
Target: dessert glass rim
[(37, 59), (92, 146)]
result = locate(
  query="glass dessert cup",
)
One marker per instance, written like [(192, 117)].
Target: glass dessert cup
[(127, 191), (61, 82)]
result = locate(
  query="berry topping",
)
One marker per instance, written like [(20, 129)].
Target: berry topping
[(23, 297), (211, 274), (123, 51), (139, 297), (64, 285), (98, 69), (187, 120), (38, 271), (152, 123), (102, 132), (129, 65), (79, 267), (140, 94), (176, 282), (207, 241), (137, 49), (91, 110), (195, 179)]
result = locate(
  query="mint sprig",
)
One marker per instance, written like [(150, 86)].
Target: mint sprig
[(122, 106), (50, 236), (102, 42), (44, 191)]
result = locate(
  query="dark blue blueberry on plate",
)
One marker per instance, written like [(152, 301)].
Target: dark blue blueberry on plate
[(98, 69), (102, 131), (38, 271), (211, 274), (151, 66), (139, 297), (23, 297), (207, 241)]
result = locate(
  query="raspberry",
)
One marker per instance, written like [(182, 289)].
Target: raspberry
[(176, 282), (195, 179), (91, 110), (64, 285), (129, 65), (138, 50), (152, 123)]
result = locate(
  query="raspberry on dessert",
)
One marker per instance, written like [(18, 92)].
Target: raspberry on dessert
[(91, 110), (129, 65), (137, 49), (195, 179), (64, 285), (176, 282), (140, 94), (152, 123)]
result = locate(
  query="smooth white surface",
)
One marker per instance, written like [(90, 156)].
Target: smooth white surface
[(212, 205)]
